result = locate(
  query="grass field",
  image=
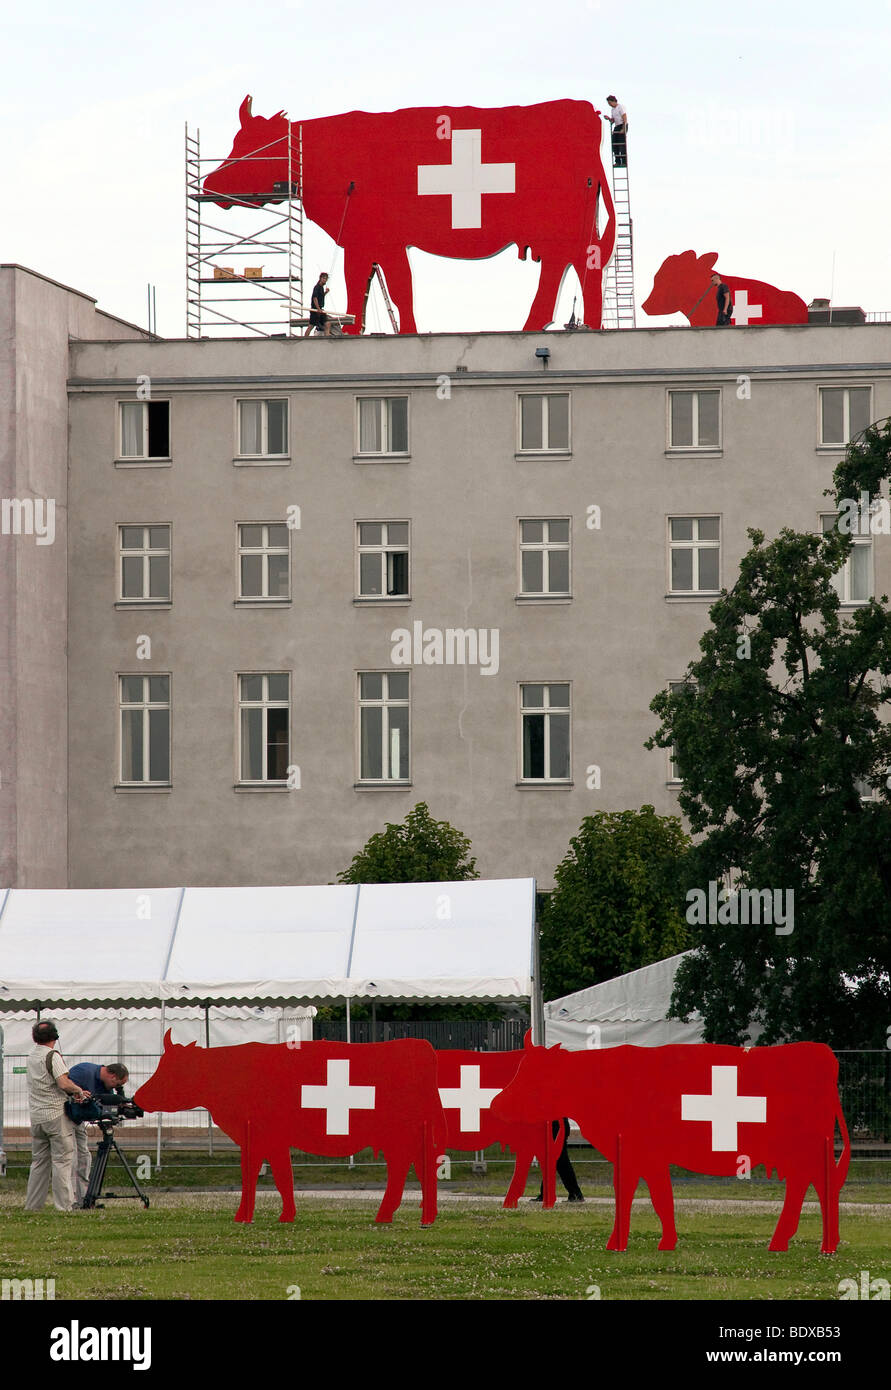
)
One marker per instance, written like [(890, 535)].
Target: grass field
[(188, 1247)]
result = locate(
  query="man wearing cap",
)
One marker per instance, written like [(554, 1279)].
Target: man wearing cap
[(619, 119), (52, 1133)]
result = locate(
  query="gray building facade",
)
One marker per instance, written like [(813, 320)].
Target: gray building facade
[(313, 582)]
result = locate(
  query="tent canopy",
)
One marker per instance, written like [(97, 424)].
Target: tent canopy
[(103, 948), (631, 1008)]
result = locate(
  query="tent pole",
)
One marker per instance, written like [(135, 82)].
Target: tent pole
[(352, 1160), (536, 1003), (207, 1044), (161, 1051)]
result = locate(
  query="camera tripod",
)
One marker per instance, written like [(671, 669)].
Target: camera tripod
[(99, 1165)]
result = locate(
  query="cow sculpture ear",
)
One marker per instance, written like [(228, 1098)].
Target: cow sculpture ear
[(244, 110), (527, 1041), (708, 259), (192, 1044)]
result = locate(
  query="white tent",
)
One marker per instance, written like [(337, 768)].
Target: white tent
[(631, 1008), (115, 948)]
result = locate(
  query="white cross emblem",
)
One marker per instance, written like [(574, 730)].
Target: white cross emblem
[(467, 178), (337, 1098), (724, 1109), (469, 1098), (743, 310)]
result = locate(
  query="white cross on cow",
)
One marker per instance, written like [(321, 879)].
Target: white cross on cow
[(466, 179), (337, 1097), (724, 1109), (743, 311), (469, 1098)]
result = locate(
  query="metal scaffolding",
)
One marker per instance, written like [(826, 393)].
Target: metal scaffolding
[(240, 299)]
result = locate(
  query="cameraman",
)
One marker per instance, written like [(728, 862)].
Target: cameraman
[(52, 1133), (95, 1080)]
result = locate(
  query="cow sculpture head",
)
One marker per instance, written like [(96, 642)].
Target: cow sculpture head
[(679, 282), (176, 1081), (258, 160), (535, 1094)]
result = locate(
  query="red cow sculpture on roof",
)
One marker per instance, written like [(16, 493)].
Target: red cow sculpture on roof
[(322, 1097), (699, 1106), (458, 181), (683, 285)]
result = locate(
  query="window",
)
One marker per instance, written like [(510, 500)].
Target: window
[(264, 560), (544, 423), (694, 419), (383, 559), (545, 718), (694, 554), (145, 563), (844, 412), (383, 425), (673, 770), (544, 557), (853, 582), (145, 729), (383, 726), (262, 428), (264, 703), (145, 429)]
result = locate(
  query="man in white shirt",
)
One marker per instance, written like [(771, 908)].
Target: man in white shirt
[(52, 1133), (618, 116)]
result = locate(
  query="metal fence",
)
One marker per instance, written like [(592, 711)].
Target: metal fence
[(864, 1087)]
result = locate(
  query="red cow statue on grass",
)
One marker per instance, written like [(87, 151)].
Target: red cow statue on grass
[(322, 1097), (683, 285), (468, 1084), (459, 181), (701, 1107)]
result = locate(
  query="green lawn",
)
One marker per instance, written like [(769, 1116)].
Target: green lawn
[(188, 1247)]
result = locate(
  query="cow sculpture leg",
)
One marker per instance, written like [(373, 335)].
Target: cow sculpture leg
[(791, 1214), (625, 1185), (662, 1197), (544, 304), (398, 1165), (251, 1162), (520, 1177), (283, 1174), (591, 281)]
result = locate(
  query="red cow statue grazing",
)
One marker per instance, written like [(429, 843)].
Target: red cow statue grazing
[(468, 1084), (699, 1106), (322, 1097), (683, 285), (459, 181)]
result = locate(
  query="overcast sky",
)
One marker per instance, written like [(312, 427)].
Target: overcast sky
[(761, 131)]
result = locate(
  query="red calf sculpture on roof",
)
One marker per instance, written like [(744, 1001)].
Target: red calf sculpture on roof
[(459, 181), (702, 1107), (683, 285), (322, 1097)]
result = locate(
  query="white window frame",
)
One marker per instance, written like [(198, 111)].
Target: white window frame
[(150, 460), (832, 445), (386, 702), (264, 426), (843, 589), (674, 779), (146, 552), (547, 709), (695, 447), (696, 545), (386, 427), (266, 704), (383, 549), (265, 550), (146, 705), (546, 545), (544, 447)]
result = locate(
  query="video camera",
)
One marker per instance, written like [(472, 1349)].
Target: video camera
[(105, 1108)]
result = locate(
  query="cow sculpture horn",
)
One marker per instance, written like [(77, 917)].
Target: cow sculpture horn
[(244, 110), (168, 1041)]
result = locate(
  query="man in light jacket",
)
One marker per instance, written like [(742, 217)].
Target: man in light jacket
[(52, 1133)]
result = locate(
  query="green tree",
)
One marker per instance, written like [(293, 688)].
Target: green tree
[(781, 729), (615, 906), (420, 850)]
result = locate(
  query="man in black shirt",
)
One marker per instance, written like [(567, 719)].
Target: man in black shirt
[(317, 317), (725, 302)]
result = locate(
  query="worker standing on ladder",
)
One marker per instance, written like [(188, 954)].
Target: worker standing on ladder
[(619, 118)]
